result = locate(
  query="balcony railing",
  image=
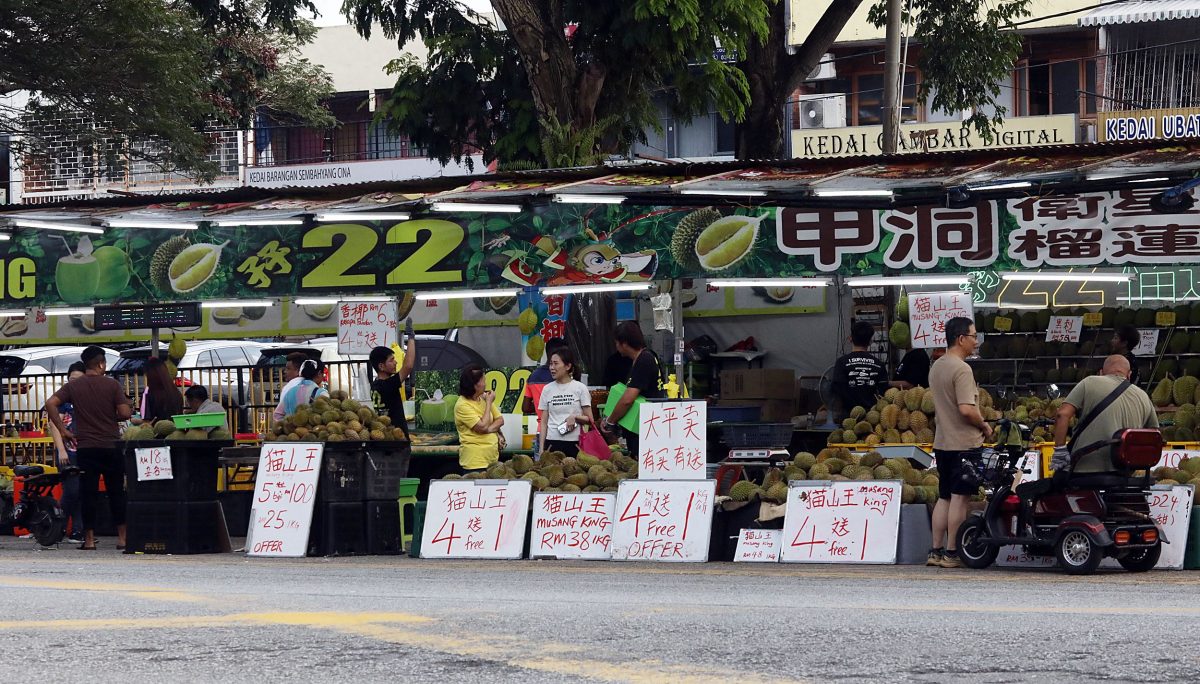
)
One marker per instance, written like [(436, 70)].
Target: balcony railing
[(347, 142)]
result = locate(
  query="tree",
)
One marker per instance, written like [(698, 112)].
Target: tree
[(573, 63), (967, 46), (144, 78)]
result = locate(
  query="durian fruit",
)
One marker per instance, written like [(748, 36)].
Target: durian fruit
[(913, 397), (873, 417), (687, 231), (804, 460), (871, 459), (873, 440), (899, 335), (890, 416), (1162, 394), (160, 264), (196, 433), (848, 424), (857, 413), (908, 494), (848, 437), (904, 422), (1183, 390), (927, 403), (833, 465), (908, 437), (892, 436), (777, 492), (902, 308), (925, 436), (820, 471), (862, 428), (220, 434), (742, 490), (918, 421), (890, 395), (163, 428)]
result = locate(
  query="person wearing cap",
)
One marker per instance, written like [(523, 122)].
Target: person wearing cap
[(100, 405)]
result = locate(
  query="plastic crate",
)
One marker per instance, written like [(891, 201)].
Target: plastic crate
[(338, 529), (384, 465), (740, 435), (193, 472), (168, 527), (383, 528), (407, 486), (734, 414), (198, 420), (342, 477)]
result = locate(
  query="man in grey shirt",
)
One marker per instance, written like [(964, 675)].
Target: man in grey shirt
[(1132, 409)]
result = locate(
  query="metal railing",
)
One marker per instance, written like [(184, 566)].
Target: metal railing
[(348, 141)]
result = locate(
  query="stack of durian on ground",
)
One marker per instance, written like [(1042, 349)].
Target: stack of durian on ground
[(165, 429), (333, 418), (1188, 472), (557, 472), (840, 465)]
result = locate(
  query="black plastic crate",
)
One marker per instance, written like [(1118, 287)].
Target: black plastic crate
[(338, 529), (236, 506), (739, 435), (180, 528), (384, 465), (341, 476), (193, 472), (383, 528)]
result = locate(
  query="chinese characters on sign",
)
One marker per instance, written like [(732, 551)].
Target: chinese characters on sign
[(572, 525), (841, 522), (758, 546), (362, 326), (1064, 328), (928, 313), (285, 489), (153, 464), (674, 438), (663, 520), (470, 519)]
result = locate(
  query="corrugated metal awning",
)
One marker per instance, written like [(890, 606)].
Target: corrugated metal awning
[(1142, 11)]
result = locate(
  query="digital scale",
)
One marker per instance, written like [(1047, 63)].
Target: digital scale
[(759, 454)]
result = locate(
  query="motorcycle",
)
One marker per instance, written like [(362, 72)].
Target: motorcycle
[(1079, 519), (35, 507)]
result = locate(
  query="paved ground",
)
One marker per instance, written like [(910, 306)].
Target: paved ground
[(106, 617)]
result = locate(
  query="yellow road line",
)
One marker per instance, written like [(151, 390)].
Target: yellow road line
[(157, 593)]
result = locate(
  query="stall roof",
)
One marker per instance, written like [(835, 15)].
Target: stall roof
[(1135, 12)]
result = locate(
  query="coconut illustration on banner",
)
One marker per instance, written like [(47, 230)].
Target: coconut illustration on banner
[(77, 275)]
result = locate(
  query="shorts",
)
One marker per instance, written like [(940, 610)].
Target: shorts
[(949, 467)]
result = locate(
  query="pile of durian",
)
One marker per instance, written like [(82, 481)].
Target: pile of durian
[(557, 472), (840, 465), (333, 418)]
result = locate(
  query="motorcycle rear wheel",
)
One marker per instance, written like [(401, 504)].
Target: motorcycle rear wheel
[(1141, 560), (972, 552), (46, 521)]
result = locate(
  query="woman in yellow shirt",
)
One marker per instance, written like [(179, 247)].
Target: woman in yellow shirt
[(478, 420)]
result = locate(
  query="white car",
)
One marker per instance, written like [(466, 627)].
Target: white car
[(31, 374)]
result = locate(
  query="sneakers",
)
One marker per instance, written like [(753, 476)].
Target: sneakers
[(950, 559), (934, 559)]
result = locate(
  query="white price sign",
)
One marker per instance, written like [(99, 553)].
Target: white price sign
[(758, 546), (153, 463), (572, 525), (476, 519), (285, 490), (674, 440), (928, 313), (663, 520), (1064, 328), (841, 522), (362, 326), (1148, 342)]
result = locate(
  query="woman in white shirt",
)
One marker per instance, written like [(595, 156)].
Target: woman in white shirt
[(564, 405)]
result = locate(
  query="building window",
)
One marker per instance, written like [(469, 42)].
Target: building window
[(868, 99), (1047, 87)]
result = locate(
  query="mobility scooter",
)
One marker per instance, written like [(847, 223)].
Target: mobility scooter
[(1077, 518)]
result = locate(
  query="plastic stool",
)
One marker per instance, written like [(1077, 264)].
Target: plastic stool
[(405, 533), (727, 475)]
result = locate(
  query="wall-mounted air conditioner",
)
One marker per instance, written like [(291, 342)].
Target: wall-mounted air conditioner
[(825, 69), (822, 111)]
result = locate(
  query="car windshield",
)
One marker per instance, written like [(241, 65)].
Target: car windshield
[(11, 366)]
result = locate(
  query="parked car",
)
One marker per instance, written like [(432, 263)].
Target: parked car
[(342, 372), (31, 374)]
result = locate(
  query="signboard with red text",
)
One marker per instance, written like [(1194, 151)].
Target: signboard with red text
[(1064, 328), (476, 519), (841, 522), (674, 439), (663, 520), (153, 463), (1171, 458), (362, 326), (572, 525), (928, 313), (758, 546), (285, 489)]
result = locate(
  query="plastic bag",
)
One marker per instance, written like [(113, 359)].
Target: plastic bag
[(591, 442)]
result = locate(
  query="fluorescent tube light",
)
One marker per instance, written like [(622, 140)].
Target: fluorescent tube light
[(302, 301), (259, 222), (1069, 277), (55, 225), (590, 199), (1118, 176), (771, 282), (884, 281), (588, 289), (467, 294), (5, 236), (12, 313), (831, 192), (481, 207), (79, 311), (725, 193), (996, 305), (1012, 185), (362, 215), (243, 303), (165, 225)]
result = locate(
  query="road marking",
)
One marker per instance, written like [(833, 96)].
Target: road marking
[(157, 593), (317, 620)]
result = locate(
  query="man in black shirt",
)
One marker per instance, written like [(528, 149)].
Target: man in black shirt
[(645, 380), (858, 376), (1124, 339), (389, 380), (913, 370)]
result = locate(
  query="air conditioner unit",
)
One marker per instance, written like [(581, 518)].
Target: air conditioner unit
[(1087, 133), (822, 111), (824, 70)]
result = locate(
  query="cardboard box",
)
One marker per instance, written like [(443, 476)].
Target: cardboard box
[(777, 410), (758, 383)]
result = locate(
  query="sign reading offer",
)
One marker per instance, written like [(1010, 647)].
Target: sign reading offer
[(285, 488), (153, 463), (928, 313), (572, 525), (362, 326), (674, 438), (841, 522), (663, 520)]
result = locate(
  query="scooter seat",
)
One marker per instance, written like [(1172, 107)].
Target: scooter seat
[(1103, 481), (28, 470)]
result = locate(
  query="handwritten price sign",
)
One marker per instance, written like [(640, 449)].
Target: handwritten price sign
[(362, 326), (674, 440), (758, 546), (1147, 342), (571, 525), (476, 519), (663, 520), (285, 489), (928, 313), (1064, 328), (841, 522), (153, 464)]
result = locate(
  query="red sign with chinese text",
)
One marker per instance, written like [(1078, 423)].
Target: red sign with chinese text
[(841, 522), (476, 519)]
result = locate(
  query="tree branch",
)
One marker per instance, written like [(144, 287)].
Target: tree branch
[(822, 36)]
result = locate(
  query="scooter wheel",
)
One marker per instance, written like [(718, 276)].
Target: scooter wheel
[(1141, 560), (972, 551), (47, 523), (1077, 553)]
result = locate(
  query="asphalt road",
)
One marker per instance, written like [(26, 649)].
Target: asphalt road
[(71, 616)]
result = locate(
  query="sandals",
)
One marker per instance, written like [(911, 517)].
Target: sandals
[(81, 547)]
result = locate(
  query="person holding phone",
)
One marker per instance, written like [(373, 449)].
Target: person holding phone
[(478, 420), (564, 404)]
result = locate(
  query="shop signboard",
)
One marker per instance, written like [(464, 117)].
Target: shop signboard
[(841, 522), (362, 326), (852, 141), (758, 546), (1148, 124), (285, 490), (663, 520), (673, 440), (1064, 328), (572, 525), (153, 463), (928, 313), (476, 519)]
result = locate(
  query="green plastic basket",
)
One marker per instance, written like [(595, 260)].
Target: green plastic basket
[(198, 420), (408, 486)]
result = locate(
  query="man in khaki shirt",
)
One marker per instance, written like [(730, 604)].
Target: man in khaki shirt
[(960, 430)]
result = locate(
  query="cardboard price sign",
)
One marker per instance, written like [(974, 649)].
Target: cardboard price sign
[(476, 519), (841, 522), (758, 546), (570, 525), (1003, 324), (362, 326), (1064, 328), (1093, 320), (285, 489), (1166, 318), (1148, 342), (928, 313), (663, 520), (153, 463), (674, 439)]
